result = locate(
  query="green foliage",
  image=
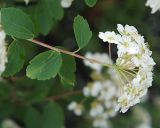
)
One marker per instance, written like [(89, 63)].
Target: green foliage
[(29, 101), (67, 71), (91, 3), (44, 66), (32, 118), (51, 117), (16, 23), (51, 11), (5, 91), (82, 31), (16, 58)]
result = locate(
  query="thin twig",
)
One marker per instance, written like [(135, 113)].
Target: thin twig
[(63, 96), (68, 52)]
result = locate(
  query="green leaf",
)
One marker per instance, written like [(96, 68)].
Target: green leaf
[(67, 71), (44, 26), (5, 90), (16, 23), (53, 116), (16, 58), (32, 118), (54, 8), (44, 66), (90, 3), (82, 31)]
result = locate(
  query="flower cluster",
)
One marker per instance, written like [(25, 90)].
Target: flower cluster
[(154, 4), (134, 64), (77, 108), (102, 90), (66, 3), (3, 52)]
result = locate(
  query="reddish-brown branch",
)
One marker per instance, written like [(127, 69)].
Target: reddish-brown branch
[(68, 52), (63, 96)]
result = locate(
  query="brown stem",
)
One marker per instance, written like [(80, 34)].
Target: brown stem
[(110, 55), (63, 96), (67, 52)]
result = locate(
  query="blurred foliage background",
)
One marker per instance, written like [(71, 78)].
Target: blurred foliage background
[(20, 95)]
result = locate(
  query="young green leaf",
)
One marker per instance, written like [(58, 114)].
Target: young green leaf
[(44, 66), (82, 31), (32, 118), (67, 71), (16, 23), (16, 58), (90, 3), (53, 116)]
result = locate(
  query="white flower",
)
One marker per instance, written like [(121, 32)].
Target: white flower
[(92, 89), (154, 5), (110, 37), (26, 1), (66, 3), (3, 52), (101, 121), (104, 58), (126, 30), (76, 108), (134, 66), (96, 109), (8, 123)]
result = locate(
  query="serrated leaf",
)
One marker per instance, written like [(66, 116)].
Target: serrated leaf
[(32, 118), (90, 3), (44, 66), (67, 71), (16, 58), (82, 31), (53, 116), (16, 23)]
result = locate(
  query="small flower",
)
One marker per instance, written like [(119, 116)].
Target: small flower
[(92, 89), (3, 51), (8, 123), (96, 109), (76, 108), (101, 121), (26, 1), (104, 58), (154, 5), (66, 3), (110, 37)]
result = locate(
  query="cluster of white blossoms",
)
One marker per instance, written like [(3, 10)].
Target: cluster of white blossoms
[(102, 90), (8, 123), (134, 65), (154, 5), (66, 3), (3, 52)]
